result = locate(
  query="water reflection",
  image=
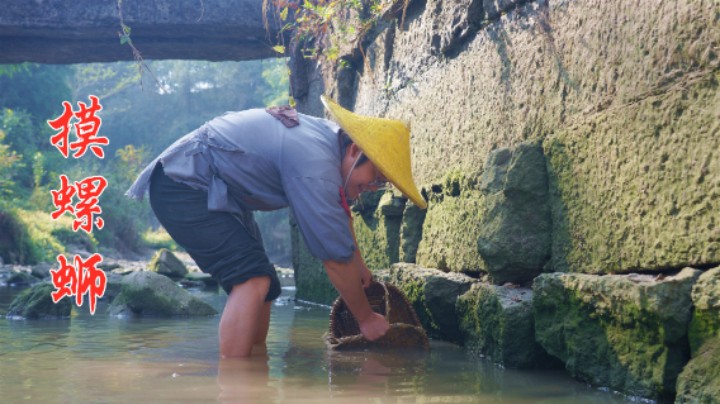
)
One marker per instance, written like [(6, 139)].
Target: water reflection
[(108, 359)]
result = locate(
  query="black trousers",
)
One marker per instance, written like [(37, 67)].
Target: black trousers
[(219, 243)]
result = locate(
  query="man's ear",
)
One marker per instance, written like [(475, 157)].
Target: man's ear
[(354, 150)]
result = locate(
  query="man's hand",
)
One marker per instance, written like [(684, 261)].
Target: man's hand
[(374, 326)]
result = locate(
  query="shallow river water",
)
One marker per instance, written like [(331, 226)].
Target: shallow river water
[(101, 359)]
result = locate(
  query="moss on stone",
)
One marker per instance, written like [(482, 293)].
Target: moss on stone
[(497, 322), (705, 322), (656, 209), (150, 294), (615, 332), (452, 225), (699, 381), (378, 232), (36, 303)]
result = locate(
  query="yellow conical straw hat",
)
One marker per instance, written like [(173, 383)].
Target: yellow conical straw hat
[(386, 142)]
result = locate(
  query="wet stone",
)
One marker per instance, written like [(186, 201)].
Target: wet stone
[(150, 294), (166, 263), (36, 303)]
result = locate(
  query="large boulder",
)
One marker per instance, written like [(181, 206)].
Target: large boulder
[(433, 295), (516, 226), (699, 382), (497, 322), (150, 294), (628, 333), (705, 322), (36, 303), (166, 263)]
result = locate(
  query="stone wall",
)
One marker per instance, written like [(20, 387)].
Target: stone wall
[(623, 97), (553, 137)]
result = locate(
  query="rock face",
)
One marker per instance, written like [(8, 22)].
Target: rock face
[(150, 294), (515, 227), (627, 121), (705, 322), (378, 225), (497, 322), (433, 295), (699, 382), (166, 263), (55, 31), (623, 332), (36, 303)]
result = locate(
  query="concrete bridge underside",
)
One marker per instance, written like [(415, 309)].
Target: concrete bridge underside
[(84, 31)]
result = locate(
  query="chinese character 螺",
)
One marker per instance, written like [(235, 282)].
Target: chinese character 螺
[(88, 191)]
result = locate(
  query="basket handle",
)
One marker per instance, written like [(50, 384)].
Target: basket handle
[(387, 301)]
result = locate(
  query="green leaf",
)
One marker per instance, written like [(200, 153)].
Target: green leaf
[(284, 14), (279, 49), (123, 39)]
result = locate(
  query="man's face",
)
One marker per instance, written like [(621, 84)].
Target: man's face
[(363, 177)]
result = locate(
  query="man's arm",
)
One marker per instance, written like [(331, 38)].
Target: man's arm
[(346, 277)]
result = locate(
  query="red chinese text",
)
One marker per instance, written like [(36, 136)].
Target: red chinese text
[(86, 129), (79, 279), (88, 191)]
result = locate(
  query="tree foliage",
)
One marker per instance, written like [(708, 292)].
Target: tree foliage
[(140, 122)]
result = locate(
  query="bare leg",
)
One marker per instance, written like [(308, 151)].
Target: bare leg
[(241, 318), (263, 324)]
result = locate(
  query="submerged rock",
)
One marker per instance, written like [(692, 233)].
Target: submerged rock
[(36, 303), (613, 331), (699, 382), (705, 322), (497, 322), (151, 294), (166, 263)]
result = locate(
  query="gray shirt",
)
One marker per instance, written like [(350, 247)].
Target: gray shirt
[(249, 161)]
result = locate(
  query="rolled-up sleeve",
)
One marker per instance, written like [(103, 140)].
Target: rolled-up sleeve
[(321, 219)]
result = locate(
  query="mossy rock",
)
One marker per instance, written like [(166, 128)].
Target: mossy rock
[(452, 226), (628, 333), (705, 322), (36, 303), (433, 295), (516, 229), (497, 322), (166, 263), (150, 294), (699, 382)]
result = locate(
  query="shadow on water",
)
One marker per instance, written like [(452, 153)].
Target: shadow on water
[(100, 358)]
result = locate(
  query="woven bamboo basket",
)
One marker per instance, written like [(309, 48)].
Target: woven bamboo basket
[(405, 329)]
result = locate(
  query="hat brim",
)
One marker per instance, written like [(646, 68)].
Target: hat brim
[(386, 142)]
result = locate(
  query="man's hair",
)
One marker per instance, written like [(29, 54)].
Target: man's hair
[(345, 142)]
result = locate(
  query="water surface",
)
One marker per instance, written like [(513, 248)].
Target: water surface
[(102, 359)]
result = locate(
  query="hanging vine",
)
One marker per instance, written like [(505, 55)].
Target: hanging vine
[(310, 23)]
